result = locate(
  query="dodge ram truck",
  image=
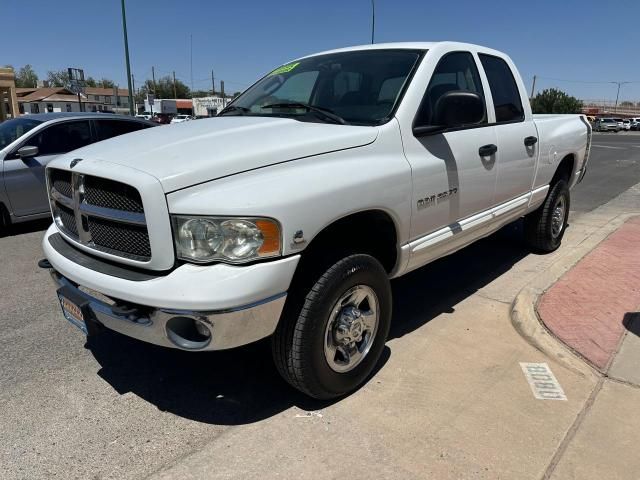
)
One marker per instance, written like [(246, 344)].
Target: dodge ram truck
[(287, 215)]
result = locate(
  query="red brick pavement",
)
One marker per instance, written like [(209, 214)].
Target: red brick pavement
[(585, 308)]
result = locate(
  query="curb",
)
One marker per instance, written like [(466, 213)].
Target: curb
[(524, 316)]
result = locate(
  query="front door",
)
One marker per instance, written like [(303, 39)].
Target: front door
[(25, 178), (452, 180)]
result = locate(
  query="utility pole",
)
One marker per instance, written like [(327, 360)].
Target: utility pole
[(191, 58), (533, 87), (373, 19), (175, 95), (222, 93), (615, 108), (126, 54), (133, 83), (213, 84), (153, 76)]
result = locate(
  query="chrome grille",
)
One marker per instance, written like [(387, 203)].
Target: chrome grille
[(68, 219), (61, 181), (110, 194), (119, 237), (102, 214)]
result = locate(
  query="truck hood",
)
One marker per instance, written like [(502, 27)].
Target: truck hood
[(189, 153)]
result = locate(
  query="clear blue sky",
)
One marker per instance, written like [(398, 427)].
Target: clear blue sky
[(583, 40)]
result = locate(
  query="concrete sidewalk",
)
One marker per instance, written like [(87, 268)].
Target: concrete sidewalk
[(451, 400), (593, 309)]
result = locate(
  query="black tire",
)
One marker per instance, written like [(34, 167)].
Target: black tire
[(5, 221), (541, 232), (298, 345)]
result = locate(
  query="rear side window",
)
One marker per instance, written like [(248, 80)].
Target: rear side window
[(61, 138), (113, 128), (504, 90), (455, 71)]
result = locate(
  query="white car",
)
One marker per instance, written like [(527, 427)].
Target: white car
[(287, 215), (146, 116), (626, 124), (181, 118)]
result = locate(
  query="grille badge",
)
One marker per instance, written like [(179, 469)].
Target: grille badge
[(74, 162), (82, 221)]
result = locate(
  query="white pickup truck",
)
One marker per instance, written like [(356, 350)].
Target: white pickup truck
[(287, 215)]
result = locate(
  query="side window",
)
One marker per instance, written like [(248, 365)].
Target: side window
[(456, 71), (504, 90), (61, 138), (113, 128)]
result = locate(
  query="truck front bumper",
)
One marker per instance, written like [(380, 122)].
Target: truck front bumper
[(191, 308)]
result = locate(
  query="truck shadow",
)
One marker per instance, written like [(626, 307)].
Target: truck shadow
[(242, 386)]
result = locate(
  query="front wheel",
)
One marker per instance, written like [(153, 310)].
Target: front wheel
[(545, 227), (332, 344)]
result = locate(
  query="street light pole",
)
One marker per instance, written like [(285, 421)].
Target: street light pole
[(373, 19), (126, 54)]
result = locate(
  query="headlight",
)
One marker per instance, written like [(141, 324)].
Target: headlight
[(234, 240)]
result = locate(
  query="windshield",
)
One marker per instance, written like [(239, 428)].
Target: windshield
[(359, 87), (11, 130)]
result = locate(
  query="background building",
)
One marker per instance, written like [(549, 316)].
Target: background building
[(61, 99), (209, 106), (8, 99)]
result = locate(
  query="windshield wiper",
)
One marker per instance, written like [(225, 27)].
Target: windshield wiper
[(321, 110), (234, 108)]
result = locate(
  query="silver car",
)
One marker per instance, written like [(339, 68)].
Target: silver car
[(606, 125), (29, 142)]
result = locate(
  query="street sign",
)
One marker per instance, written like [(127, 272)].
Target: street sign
[(76, 80), (150, 98)]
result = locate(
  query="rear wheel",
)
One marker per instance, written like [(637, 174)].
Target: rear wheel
[(330, 345), (545, 227)]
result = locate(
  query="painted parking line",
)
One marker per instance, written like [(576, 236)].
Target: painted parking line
[(542, 381), (608, 146)]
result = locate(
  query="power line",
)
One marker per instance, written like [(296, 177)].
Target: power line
[(602, 82)]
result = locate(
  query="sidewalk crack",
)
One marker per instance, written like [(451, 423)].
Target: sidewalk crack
[(571, 433)]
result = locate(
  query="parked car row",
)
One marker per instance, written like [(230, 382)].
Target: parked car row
[(616, 124), (165, 118)]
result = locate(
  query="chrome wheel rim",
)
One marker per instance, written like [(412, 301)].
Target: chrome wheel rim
[(351, 328), (557, 218)]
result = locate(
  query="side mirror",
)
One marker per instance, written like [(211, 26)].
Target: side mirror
[(27, 152), (454, 109)]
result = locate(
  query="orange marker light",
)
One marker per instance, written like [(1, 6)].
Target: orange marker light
[(271, 233)]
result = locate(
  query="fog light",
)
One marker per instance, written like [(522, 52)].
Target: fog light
[(202, 329), (188, 333)]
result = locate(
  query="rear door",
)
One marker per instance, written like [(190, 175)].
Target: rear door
[(515, 130), (25, 178)]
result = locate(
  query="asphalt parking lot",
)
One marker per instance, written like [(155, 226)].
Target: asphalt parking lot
[(117, 408)]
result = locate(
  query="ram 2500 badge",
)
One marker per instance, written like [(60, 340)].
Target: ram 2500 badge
[(287, 215)]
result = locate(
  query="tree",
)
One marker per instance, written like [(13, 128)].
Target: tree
[(200, 93), (626, 103), (106, 83), (90, 82), (164, 88), (58, 78), (27, 77), (553, 100)]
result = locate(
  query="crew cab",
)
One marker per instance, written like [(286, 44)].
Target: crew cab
[(287, 215)]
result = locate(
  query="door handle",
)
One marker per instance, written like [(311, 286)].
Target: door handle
[(487, 150), (530, 141)]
